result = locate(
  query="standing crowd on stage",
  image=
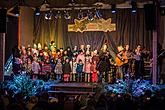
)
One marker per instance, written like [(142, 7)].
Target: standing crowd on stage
[(80, 64)]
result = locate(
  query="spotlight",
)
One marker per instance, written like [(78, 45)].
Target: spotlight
[(67, 15), (113, 8), (80, 15), (58, 15), (134, 6), (16, 11), (37, 11), (48, 15), (98, 14), (90, 15)]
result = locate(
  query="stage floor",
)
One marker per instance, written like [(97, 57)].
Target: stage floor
[(73, 89), (70, 84)]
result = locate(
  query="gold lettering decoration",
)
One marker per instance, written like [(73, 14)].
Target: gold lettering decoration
[(94, 25)]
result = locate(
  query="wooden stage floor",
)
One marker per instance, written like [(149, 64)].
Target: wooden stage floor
[(72, 89)]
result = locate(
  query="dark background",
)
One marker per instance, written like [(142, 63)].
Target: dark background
[(11, 35)]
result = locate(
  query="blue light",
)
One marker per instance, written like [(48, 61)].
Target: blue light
[(134, 10), (17, 14), (113, 8), (113, 11), (37, 14), (137, 87), (48, 15), (16, 11), (134, 6), (90, 16), (23, 84), (37, 11), (80, 15)]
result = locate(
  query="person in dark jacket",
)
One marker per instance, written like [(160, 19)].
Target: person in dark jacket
[(102, 67), (66, 70)]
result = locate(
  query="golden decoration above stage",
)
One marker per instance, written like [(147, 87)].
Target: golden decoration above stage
[(92, 25)]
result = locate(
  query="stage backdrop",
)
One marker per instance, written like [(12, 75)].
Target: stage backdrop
[(130, 29)]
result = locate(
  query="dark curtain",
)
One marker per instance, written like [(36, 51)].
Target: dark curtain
[(161, 30), (11, 39), (46, 31), (130, 29)]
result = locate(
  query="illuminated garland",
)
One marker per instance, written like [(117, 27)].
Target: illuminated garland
[(136, 88), (24, 85)]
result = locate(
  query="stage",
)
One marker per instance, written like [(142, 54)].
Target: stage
[(72, 89), (136, 88), (28, 87)]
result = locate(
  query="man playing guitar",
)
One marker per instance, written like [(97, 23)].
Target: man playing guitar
[(120, 60)]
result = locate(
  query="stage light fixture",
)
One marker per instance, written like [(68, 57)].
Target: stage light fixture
[(90, 15), (37, 11), (80, 15), (134, 7), (113, 8), (58, 15), (16, 11), (67, 15), (48, 15), (98, 14)]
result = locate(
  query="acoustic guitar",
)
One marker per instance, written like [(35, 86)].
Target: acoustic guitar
[(121, 60)]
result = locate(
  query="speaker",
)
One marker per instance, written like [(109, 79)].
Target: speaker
[(150, 16), (3, 13)]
